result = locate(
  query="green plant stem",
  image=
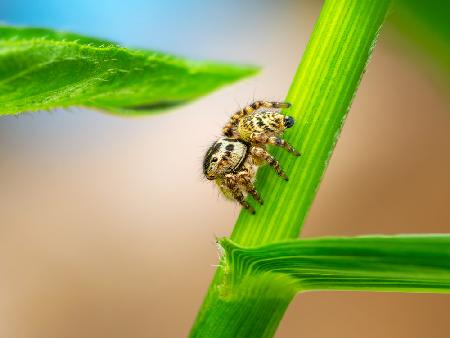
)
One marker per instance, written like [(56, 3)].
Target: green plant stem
[(321, 94)]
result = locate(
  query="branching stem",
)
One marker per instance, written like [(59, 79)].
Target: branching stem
[(321, 94)]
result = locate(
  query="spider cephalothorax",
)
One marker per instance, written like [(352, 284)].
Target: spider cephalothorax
[(223, 157), (232, 160)]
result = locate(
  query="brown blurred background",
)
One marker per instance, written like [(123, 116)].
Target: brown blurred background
[(107, 228)]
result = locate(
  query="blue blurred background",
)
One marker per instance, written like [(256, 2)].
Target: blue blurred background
[(180, 27)]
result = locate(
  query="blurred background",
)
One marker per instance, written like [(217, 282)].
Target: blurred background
[(107, 228)]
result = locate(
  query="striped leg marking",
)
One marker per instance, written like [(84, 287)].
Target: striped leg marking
[(270, 160), (276, 141), (279, 142), (237, 193), (245, 180)]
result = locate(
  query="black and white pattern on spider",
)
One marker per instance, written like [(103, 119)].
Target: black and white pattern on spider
[(232, 161)]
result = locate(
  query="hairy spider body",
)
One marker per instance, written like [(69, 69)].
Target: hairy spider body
[(224, 156), (232, 161)]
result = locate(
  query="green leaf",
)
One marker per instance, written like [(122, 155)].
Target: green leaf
[(321, 94), (42, 69), (407, 263)]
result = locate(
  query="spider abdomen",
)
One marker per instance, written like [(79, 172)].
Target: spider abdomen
[(268, 122)]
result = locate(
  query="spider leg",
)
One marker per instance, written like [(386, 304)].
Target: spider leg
[(279, 142), (229, 129), (274, 140), (261, 153), (246, 181), (233, 185)]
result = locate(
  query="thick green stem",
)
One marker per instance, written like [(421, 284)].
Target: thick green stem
[(321, 94)]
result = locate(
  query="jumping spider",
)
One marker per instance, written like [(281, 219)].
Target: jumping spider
[(232, 160)]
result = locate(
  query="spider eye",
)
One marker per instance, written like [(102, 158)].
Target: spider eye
[(214, 159)]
